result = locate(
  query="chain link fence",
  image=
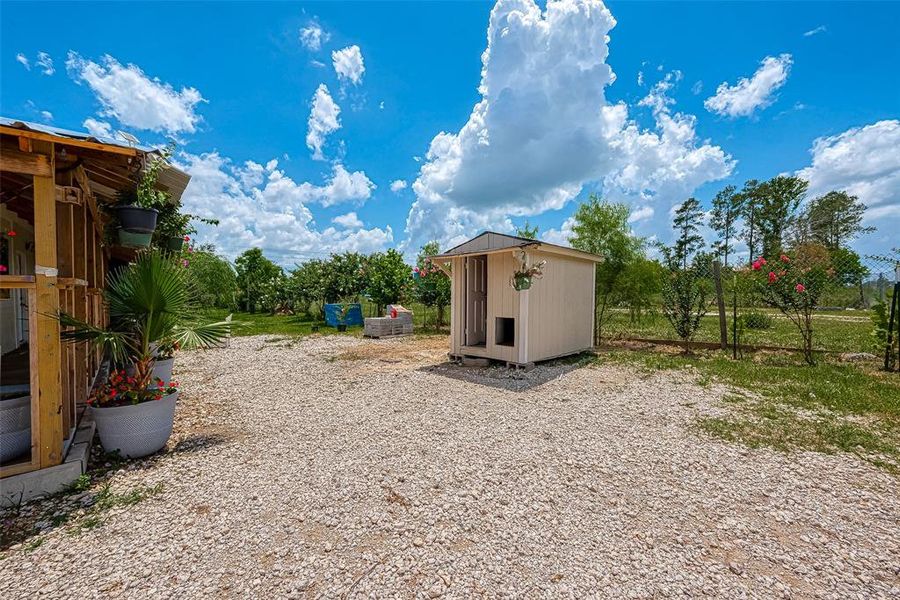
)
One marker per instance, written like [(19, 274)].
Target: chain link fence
[(854, 294)]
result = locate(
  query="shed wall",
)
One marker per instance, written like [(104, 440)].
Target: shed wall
[(560, 307)]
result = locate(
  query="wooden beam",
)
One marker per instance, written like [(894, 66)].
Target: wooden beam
[(25, 144), (68, 194), (46, 137), (15, 161), (16, 282), (45, 352)]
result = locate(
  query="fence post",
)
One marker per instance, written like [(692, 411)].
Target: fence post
[(889, 349), (720, 300)]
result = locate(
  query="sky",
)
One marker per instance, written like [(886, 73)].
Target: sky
[(311, 128)]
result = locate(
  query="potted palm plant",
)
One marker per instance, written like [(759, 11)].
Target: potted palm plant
[(149, 309)]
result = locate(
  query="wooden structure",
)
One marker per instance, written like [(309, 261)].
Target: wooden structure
[(53, 257), (490, 319)]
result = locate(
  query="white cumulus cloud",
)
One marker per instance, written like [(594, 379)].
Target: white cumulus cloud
[(23, 60), (543, 129), (749, 94), (97, 128), (134, 99), (259, 206), (323, 119), (348, 64), (398, 184), (349, 220), (313, 36), (864, 162)]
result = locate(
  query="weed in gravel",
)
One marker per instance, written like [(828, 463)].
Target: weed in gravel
[(791, 406)]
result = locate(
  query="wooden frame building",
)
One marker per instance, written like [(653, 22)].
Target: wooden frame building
[(53, 257), (490, 319)]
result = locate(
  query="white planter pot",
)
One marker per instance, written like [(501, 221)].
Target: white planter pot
[(136, 430), (15, 427), (161, 369)]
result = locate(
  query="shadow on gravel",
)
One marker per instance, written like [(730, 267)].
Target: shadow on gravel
[(510, 379)]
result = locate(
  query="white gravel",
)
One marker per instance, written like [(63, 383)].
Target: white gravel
[(336, 467)]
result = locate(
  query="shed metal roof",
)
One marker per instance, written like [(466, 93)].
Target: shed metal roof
[(490, 241)]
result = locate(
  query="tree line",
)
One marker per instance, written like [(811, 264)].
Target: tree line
[(254, 283)]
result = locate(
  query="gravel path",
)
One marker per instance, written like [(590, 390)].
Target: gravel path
[(336, 467)]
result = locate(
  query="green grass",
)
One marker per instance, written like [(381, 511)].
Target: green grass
[(829, 331), (777, 401), (300, 325)]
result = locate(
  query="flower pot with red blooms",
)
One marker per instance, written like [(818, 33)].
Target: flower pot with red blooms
[(134, 421)]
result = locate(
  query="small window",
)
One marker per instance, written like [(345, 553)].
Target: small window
[(506, 331)]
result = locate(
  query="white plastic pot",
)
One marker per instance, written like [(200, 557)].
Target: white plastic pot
[(15, 427), (136, 430), (161, 369)]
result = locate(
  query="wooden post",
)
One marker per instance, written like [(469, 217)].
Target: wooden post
[(45, 358), (81, 234), (720, 300)]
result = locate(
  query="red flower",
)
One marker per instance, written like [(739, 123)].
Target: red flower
[(11, 233), (800, 288), (3, 269), (772, 277), (762, 261), (187, 238), (756, 265), (160, 383), (785, 258), (112, 393)]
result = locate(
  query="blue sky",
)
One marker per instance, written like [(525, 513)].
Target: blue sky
[(237, 82)]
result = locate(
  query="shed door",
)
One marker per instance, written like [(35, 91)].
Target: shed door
[(476, 300)]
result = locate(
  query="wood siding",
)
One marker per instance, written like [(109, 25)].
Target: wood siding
[(560, 307)]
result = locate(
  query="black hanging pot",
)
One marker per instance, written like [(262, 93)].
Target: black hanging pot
[(137, 219), (175, 244)]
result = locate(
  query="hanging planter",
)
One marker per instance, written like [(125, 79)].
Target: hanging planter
[(175, 244), (521, 282), (137, 219), (523, 278), (134, 239)]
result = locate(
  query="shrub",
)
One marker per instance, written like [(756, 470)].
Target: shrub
[(757, 320)]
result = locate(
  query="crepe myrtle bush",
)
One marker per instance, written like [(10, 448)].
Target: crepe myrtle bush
[(793, 283)]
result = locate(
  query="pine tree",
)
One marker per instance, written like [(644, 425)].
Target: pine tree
[(687, 221), (750, 199), (727, 208), (836, 218)]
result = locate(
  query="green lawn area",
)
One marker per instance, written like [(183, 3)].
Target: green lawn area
[(297, 325), (841, 331), (778, 401)]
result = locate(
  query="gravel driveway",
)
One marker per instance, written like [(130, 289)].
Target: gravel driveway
[(336, 467)]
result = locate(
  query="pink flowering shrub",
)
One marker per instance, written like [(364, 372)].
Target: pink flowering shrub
[(793, 284)]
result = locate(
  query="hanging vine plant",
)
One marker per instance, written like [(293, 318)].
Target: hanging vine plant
[(523, 277)]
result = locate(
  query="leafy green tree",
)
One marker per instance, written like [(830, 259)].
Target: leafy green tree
[(431, 286), (602, 228), (639, 286), (257, 279), (687, 221), (527, 231), (780, 197), (751, 204), (835, 219), (213, 281), (387, 277), (306, 287), (345, 277), (727, 207), (849, 271)]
